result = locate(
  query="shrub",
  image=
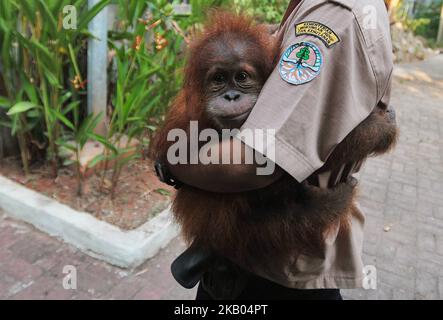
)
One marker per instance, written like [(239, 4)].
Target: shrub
[(38, 57), (426, 19)]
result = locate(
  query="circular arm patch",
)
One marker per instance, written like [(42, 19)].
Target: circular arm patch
[(300, 63)]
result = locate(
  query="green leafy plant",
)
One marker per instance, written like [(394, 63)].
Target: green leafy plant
[(146, 75), (266, 11), (201, 7), (425, 19), (38, 64), (23, 117), (75, 139)]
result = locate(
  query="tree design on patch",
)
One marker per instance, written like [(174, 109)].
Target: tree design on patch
[(303, 54), (301, 63)]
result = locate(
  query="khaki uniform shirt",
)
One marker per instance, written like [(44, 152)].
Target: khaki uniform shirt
[(335, 69)]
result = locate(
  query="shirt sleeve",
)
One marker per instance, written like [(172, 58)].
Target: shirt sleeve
[(321, 89)]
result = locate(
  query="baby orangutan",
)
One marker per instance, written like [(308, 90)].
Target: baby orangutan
[(228, 65)]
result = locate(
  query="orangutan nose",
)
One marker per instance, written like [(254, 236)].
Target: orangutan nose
[(232, 95)]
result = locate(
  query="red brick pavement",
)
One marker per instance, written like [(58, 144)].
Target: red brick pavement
[(31, 267)]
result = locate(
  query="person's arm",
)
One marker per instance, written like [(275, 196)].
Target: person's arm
[(225, 178)]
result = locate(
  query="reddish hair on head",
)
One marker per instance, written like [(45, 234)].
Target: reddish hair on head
[(224, 26)]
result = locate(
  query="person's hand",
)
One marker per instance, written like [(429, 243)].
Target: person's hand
[(347, 186)]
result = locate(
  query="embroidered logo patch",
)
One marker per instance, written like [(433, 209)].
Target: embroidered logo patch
[(300, 63), (316, 29)]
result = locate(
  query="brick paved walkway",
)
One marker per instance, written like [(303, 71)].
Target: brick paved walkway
[(401, 192)]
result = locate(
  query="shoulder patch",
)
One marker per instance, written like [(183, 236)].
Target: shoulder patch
[(300, 63), (319, 30)]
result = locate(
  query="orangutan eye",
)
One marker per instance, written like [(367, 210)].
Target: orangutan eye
[(241, 76), (219, 78)]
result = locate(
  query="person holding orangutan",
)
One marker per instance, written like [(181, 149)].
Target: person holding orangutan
[(318, 91)]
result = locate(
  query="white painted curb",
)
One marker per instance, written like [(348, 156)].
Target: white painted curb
[(99, 239)]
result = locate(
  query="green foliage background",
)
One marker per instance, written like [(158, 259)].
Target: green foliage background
[(267, 11), (425, 21)]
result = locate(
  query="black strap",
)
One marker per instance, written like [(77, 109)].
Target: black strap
[(189, 267), (164, 175), (219, 277)]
